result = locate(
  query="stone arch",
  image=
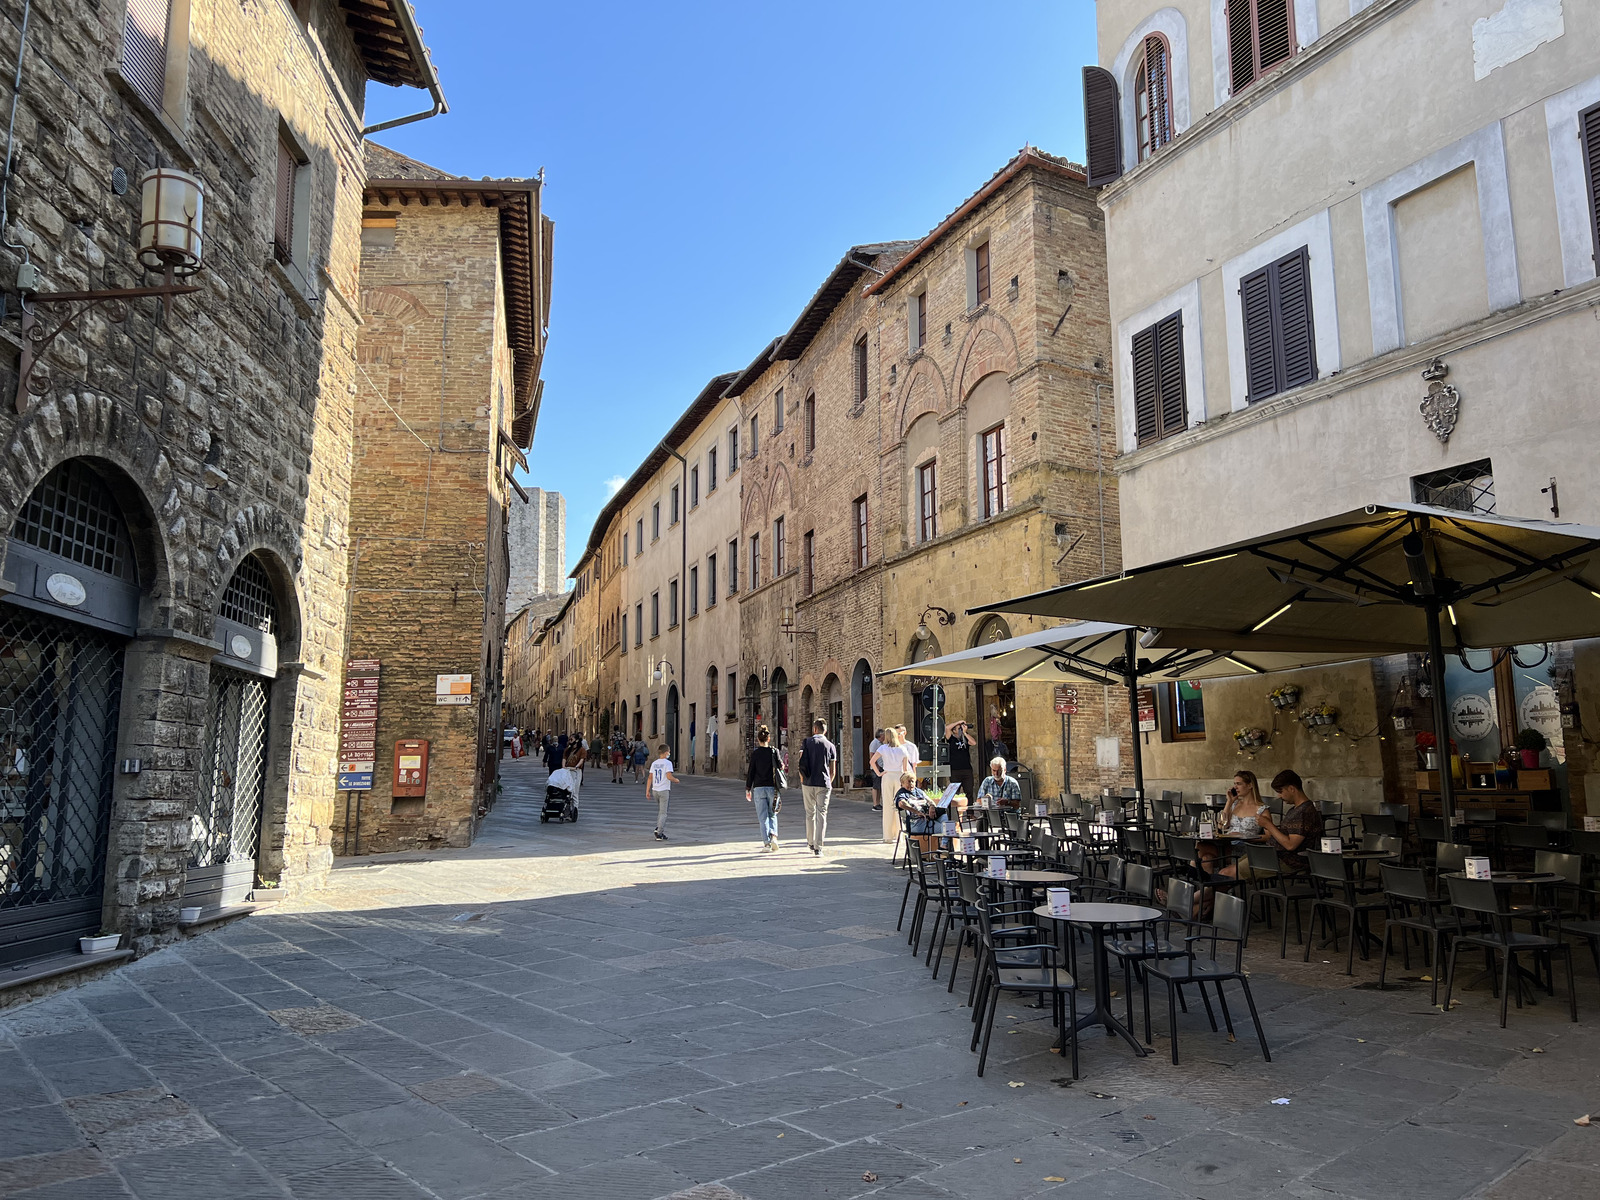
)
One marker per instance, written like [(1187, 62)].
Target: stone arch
[(925, 390), (991, 346), (261, 530), (992, 628), (780, 493), (394, 302)]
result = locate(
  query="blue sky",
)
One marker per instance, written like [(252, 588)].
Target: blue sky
[(707, 164)]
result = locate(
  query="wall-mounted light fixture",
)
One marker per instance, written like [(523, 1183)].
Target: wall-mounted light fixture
[(942, 615)]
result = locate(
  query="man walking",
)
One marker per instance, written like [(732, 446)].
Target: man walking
[(872, 765), (660, 786), (818, 761)]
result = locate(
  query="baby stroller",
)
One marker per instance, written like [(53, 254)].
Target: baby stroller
[(558, 803)]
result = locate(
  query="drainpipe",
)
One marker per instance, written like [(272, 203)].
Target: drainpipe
[(683, 582), (407, 20)]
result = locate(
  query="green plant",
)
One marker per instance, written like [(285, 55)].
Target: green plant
[(1530, 739)]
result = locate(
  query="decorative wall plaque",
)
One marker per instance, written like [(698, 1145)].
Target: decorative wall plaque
[(1442, 404)]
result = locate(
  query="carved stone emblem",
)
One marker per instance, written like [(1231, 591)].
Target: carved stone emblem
[(1442, 404)]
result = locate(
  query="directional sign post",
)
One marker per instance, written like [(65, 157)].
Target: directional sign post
[(1066, 706)]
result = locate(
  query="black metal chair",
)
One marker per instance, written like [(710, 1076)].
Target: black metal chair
[(1230, 923), (1448, 856), (1029, 967), (1336, 893), (1476, 898), (1276, 888), (1413, 909), (1133, 945), (1379, 823)]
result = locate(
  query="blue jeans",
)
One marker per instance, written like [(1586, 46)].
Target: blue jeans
[(765, 798)]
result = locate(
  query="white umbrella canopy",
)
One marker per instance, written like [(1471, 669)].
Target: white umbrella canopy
[(1362, 583)]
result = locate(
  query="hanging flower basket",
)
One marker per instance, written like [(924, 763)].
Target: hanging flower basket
[(1283, 697), (1251, 740)]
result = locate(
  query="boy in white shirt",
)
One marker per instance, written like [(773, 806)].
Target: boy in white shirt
[(660, 784)]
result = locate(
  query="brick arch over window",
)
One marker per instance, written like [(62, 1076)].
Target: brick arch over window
[(394, 302), (780, 494), (925, 390), (990, 346)]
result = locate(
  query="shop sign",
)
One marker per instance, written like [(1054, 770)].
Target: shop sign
[(1066, 700), (452, 689), (1472, 717)]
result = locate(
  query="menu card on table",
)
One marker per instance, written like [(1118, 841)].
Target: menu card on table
[(1478, 868), (1333, 845), (1060, 901), (997, 865)]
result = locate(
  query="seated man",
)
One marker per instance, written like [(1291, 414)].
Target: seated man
[(998, 788), (1300, 825)]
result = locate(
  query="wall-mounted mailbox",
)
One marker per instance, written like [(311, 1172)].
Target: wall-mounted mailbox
[(411, 768)]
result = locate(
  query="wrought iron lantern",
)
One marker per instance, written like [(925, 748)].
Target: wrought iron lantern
[(172, 211)]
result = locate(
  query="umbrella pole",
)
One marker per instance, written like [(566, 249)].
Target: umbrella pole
[(1441, 716), (1131, 674)]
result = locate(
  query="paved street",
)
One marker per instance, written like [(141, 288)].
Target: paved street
[(578, 1011)]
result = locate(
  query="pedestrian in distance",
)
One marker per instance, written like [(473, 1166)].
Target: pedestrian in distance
[(891, 761), (913, 754), (818, 762), (872, 766), (641, 755), (616, 758), (761, 787), (659, 785)]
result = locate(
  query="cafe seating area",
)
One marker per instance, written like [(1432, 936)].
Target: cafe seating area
[(1116, 914)]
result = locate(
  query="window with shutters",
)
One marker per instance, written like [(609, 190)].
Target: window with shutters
[(1589, 133), (638, 624), (755, 561), (284, 196), (808, 561), (672, 604), (638, 538), (755, 436), (992, 458), (808, 423), (917, 320), (733, 567), (860, 358), (655, 520), (980, 266), (1260, 37), (928, 501), (859, 523), (711, 581), (1152, 98), (1158, 394), (711, 470), (673, 506), (733, 451), (1102, 126), (655, 614), (694, 591), (777, 412), (1279, 335), (780, 549), (144, 49)]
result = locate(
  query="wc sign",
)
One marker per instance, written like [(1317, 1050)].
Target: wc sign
[(452, 689)]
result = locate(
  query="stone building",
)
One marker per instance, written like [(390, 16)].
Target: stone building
[(538, 538), (938, 447), (455, 301), (1310, 220), (176, 477)]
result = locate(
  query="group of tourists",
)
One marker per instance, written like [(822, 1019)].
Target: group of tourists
[(767, 774)]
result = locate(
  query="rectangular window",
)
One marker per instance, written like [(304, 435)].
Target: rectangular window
[(655, 723), (283, 231), (980, 257), (711, 470), (861, 371), (777, 412), (918, 314), (733, 686), (1589, 136), (624, 633), (996, 488), (694, 591), (711, 581), (733, 450), (1158, 395), (808, 424), (1279, 336), (780, 553), (674, 506), (859, 524), (1468, 488), (755, 561), (755, 436), (624, 548), (733, 567), (694, 487), (808, 561), (655, 520), (655, 614), (144, 50), (1260, 36), (639, 539), (638, 624), (672, 605), (928, 501)]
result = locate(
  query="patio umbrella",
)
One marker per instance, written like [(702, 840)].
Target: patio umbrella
[(1384, 579), (1107, 653)]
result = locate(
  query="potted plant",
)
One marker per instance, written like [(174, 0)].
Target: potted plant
[(1530, 744), (1251, 739), (100, 943), (1285, 696)]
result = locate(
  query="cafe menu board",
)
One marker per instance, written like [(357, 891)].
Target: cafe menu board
[(1147, 709), (358, 725)]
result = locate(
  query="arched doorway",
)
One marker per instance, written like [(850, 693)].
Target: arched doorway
[(780, 708), (713, 736), (752, 710), (63, 632), (833, 710), (233, 761), (808, 711), (863, 714), (669, 729)]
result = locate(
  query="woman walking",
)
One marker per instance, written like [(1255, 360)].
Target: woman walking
[(641, 755), (761, 787), (891, 761)]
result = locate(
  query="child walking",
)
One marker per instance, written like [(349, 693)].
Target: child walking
[(660, 785)]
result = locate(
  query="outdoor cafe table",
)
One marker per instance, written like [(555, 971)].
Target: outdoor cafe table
[(1025, 879), (1099, 918)]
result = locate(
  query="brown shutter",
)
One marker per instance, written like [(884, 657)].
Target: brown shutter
[(1260, 357), (1241, 43), (1589, 135), (1169, 366), (1274, 34), (144, 49), (981, 254), (1156, 90), (283, 205), (1146, 387), (1296, 334), (1102, 121)]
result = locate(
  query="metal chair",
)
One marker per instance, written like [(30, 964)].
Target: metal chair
[(1477, 898), (1413, 909), (1230, 923), (1378, 823), (1336, 893)]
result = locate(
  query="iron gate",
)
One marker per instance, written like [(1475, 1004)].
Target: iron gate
[(60, 689), (226, 832)]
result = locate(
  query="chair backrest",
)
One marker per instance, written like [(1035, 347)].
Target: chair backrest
[(1138, 880), (1377, 823), (1263, 859), (1526, 837), (1115, 869), (968, 882), (1135, 841), (1181, 849), (1180, 898), (1073, 857), (1327, 866), (1330, 808), (1230, 914), (1162, 821), (1400, 812), (1058, 827), (1403, 883), (1568, 866), (1387, 843), (1431, 829), (1585, 841), (1473, 895), (1452, 856), (1170, 798)]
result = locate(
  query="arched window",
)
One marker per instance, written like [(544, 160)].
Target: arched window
[(1152, 96), (860, 359), (808, 423), (993, 629)]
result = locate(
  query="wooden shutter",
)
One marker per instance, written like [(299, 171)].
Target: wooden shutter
[(1260, 357), (1158, 385), (981, 264), (1241, 43), (144, 49), (1274, 34), (1146, 387), (1158, 99), (1589, 136), (283, 204), (1296, 335), (1102, 121)]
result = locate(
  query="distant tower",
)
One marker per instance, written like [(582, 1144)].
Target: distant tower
[(538, 537)]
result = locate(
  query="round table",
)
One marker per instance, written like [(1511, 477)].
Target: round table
[(1099, 918), (1514, 878)]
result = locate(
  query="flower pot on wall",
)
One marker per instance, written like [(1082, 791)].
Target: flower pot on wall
[(1530, 758), (98, 945)]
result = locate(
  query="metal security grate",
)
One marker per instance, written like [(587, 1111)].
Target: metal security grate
[(1468, 488), (72, 513), (248, 598), (233, 775), (60, 688)]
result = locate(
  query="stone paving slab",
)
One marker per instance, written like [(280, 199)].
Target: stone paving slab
[(578, 1011)]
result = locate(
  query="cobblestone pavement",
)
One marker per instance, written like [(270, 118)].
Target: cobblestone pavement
[(578, 1011)]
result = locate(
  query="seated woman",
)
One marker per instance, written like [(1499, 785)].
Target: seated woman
[(924, 814), (1240, 817)]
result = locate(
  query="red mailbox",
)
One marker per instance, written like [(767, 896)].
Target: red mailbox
[(411, 768)]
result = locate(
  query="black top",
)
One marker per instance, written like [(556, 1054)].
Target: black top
[(763, 769), (817, 758), (960, 753)]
